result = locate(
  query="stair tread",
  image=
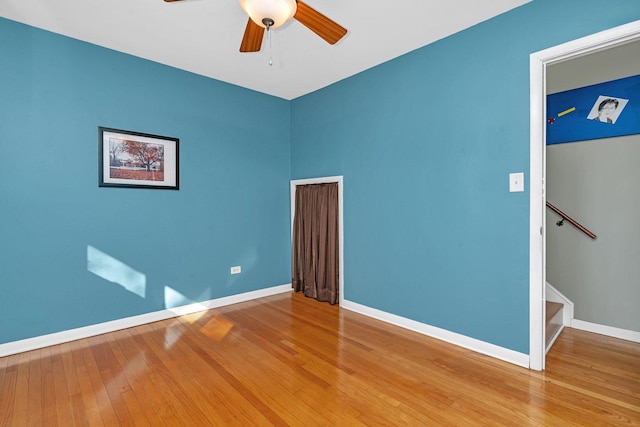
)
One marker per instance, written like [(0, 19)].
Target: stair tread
[(552, 309)]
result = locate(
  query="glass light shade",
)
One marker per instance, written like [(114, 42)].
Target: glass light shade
[(278, 10)]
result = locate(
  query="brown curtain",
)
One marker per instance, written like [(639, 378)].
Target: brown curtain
[(315, 242)]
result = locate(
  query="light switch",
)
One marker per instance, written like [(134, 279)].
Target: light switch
[(516, 182)]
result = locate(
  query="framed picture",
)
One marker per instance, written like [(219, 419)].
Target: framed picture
[(137, 160)]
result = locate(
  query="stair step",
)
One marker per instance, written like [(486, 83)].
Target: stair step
[(552, 309)]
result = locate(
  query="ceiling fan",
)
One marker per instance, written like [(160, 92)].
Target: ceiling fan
[(267, 14)]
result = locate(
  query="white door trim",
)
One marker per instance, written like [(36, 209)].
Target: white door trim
[(326, 180), (538, 62)]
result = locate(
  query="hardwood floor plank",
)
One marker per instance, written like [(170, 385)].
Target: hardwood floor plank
[(282, 376), (288, 360), (64, 414), (124, 380), (4, 364), (174, 394), (218, 395), (192, 402), (8, 389), (35, 401), (245, 375), (109, 390), (49, 413), (76, 399), (90, 406), (21, 398), (95, 382), (140, 395)]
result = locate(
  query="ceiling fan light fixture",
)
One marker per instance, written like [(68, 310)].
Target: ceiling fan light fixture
[(279, 11)]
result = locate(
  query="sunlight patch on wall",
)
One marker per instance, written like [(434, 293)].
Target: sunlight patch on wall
[(115, 271)]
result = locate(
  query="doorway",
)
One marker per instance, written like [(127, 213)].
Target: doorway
[(326, 180), (537, 224)]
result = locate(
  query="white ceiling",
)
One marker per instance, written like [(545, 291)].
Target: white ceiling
[(203, 36)]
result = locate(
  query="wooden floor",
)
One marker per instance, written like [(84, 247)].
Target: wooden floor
[(289, 360)]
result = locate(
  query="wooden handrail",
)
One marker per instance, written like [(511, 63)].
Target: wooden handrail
[(572, 221)]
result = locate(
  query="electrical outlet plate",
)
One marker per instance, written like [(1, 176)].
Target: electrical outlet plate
[(236, 270)]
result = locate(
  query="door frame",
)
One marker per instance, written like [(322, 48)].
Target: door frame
[(538, 63), (326, 180)]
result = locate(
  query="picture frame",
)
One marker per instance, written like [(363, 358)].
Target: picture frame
[(137, 160)]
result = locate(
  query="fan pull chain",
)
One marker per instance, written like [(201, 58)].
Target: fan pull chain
[(268, 23), (270, 55)]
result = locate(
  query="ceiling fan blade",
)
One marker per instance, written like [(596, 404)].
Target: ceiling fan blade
[(252, 39), (169, 1), (330, 31)]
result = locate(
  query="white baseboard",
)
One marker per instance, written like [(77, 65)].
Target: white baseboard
[(623, 334), (129, 322), (473, 344)]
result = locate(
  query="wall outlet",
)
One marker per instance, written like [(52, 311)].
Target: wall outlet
[(236, 270)]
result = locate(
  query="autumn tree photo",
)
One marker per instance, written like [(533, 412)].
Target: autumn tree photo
[(145, 155)]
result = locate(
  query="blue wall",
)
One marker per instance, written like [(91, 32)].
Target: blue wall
[(232, 207), (425, 144)]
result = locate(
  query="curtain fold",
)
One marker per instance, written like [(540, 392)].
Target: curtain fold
[(315, 242)]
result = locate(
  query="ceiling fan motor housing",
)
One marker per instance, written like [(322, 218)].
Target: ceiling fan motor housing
[(267, 14), (264, 12)]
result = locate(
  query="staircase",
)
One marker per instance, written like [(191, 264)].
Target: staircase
[(559, 311), (554, 323)]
